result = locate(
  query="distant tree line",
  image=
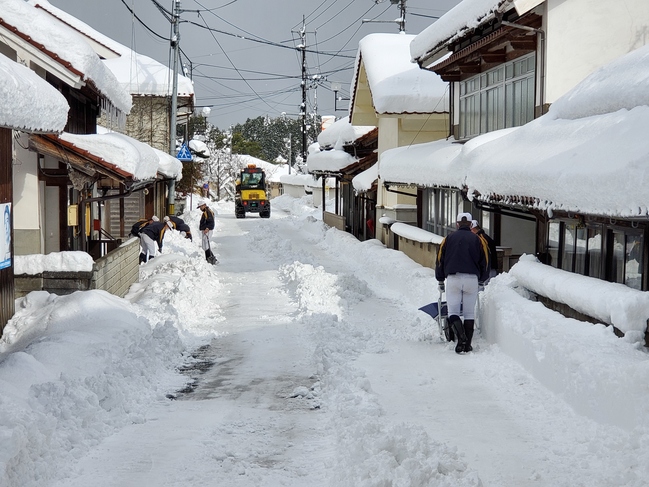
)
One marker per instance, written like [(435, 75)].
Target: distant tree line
[(269, 139)]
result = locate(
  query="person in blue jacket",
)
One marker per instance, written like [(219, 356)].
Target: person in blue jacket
[(177, 223), (150, 236), (463, 262)]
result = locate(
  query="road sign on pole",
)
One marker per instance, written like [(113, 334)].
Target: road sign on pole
[(184, 155)]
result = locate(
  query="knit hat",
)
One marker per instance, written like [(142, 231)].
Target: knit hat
[(155, 218), (464, 217), (474, 224), (202, 203), (166, 218)]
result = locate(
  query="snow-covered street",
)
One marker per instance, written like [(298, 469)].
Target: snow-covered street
[(301, 359)]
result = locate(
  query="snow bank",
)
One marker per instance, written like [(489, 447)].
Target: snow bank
[(613, 303), (95, 367), (587, 365)]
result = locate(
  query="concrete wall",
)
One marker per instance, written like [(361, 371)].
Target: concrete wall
[(333, 220), (114, 273), (423, 253), (117, 270)]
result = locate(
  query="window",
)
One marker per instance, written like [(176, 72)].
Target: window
[(499, 98), (442, 207), (597, 250)]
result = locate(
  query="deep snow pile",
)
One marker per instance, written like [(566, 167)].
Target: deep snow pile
[(77, 369)]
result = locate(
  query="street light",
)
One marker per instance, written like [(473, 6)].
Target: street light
[(335, 87)]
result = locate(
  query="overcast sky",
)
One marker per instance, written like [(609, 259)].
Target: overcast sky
[(240, 78)]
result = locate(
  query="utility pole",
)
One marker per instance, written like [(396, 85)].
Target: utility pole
[(402, 15), (175, 45), (304, 88)]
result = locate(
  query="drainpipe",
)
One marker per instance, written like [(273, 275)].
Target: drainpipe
[(541, 34)]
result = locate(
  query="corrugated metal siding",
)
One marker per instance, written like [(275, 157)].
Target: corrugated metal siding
[(6, 275), (133, 211)]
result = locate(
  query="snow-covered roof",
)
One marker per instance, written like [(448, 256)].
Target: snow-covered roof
[(168, 165), (341, 133), (329, 160), (128, 154), (397, 85), (138, 74), (28, 102), (588, 154), (454, 24), (364, 181), (65, 46), (430, 164)]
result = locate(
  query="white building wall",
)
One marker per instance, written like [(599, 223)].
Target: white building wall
[(26, 194), (583, 35)]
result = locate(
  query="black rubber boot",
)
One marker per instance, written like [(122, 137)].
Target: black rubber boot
[(142, 258), (208, 252), (468, 331), (458, 328)]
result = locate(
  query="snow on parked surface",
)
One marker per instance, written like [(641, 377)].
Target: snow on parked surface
[(330, 376)]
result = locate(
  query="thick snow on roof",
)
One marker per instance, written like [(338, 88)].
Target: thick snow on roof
[(28, 102), (329, 160), (341, 133), (364, 181), (138, 74), (430, 164), (334, 137), (462, 18), (68, 45), (398, 85), (130, 155), (587, 155), (168, 165)]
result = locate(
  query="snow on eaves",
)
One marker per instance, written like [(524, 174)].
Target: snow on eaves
[(341, 133), (63, 45), (430, 164), (329, 161), (587, 155), (128, 154), (454, 24), (397, 85), (363, 182), (138, 74), (168, 165), (28, 102)]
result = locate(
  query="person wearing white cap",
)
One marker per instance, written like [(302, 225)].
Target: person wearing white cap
[(206, 226), (463, 262)]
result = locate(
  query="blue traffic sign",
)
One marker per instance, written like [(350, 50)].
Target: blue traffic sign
[(184, 155)]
